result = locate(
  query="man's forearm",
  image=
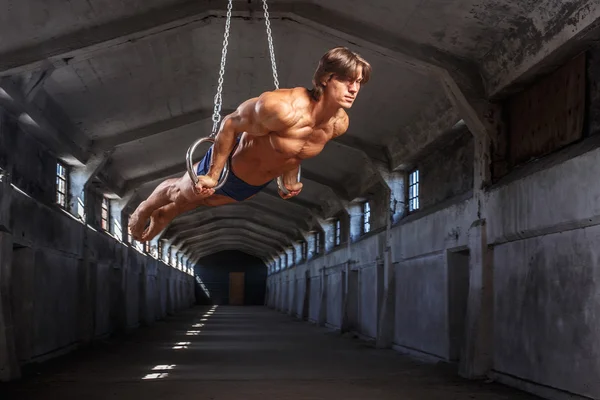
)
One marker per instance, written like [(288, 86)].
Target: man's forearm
[(291, 176), (224, 144)]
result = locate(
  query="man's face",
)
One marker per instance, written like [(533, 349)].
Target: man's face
[(343, 90)]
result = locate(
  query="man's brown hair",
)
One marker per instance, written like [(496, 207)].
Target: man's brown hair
[(342, 62)]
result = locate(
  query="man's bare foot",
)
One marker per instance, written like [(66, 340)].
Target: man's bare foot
[(158, 221), (138, 221)]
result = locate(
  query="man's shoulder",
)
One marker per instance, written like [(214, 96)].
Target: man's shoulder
[(281, 104), (284, 100)]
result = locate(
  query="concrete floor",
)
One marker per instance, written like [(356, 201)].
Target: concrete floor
[(244, 353)]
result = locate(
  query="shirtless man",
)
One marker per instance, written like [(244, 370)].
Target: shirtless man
[(269, 136)]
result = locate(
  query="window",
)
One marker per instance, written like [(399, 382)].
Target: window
[(160, 250), (61, 185), (105, 213), (337, 232), (366, 215), (304, 250), (413, 191), (317, 242)]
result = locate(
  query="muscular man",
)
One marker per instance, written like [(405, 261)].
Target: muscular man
[(266, 137)]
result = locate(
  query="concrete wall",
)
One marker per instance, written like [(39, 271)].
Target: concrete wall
[(32, 168), (71, 284), (546, 276), (447, 170), (64, 284), (540, 230)]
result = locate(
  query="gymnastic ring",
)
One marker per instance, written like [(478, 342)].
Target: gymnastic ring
[(190, 163), (282, 187)]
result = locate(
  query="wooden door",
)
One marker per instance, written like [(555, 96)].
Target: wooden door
[(236, 288)]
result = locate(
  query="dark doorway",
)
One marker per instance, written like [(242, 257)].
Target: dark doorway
[(213, 278), (236, 288)]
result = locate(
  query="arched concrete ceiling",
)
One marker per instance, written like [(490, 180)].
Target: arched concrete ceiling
[(132, 82), (265, 248)]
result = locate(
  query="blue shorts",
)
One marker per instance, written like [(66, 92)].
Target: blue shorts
[(234, 187)]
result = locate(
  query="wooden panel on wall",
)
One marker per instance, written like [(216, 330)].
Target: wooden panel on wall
[(236, 288), (548, 115)]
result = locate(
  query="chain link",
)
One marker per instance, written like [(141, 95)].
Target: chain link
[(218, 97), (270, 39)]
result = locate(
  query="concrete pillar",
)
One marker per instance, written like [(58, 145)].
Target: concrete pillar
[(345, 323), (9, 366), (266, 301), (486, 123), (86, 307), (323, 299), (385, 331), (379, 200), (143, 288), (169, 294), (396, 184), (122, 309), (118, 216), (304, 313), (79, 179), (476, 357), (292, 286)]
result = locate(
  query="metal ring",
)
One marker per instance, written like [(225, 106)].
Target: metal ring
[(282, 187), (190, 163)]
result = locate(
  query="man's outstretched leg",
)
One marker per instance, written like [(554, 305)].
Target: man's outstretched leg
[(160, 197), (160, 218), (179, 191)]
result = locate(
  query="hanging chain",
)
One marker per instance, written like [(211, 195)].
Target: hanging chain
[(218, 97), (270, 39)]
